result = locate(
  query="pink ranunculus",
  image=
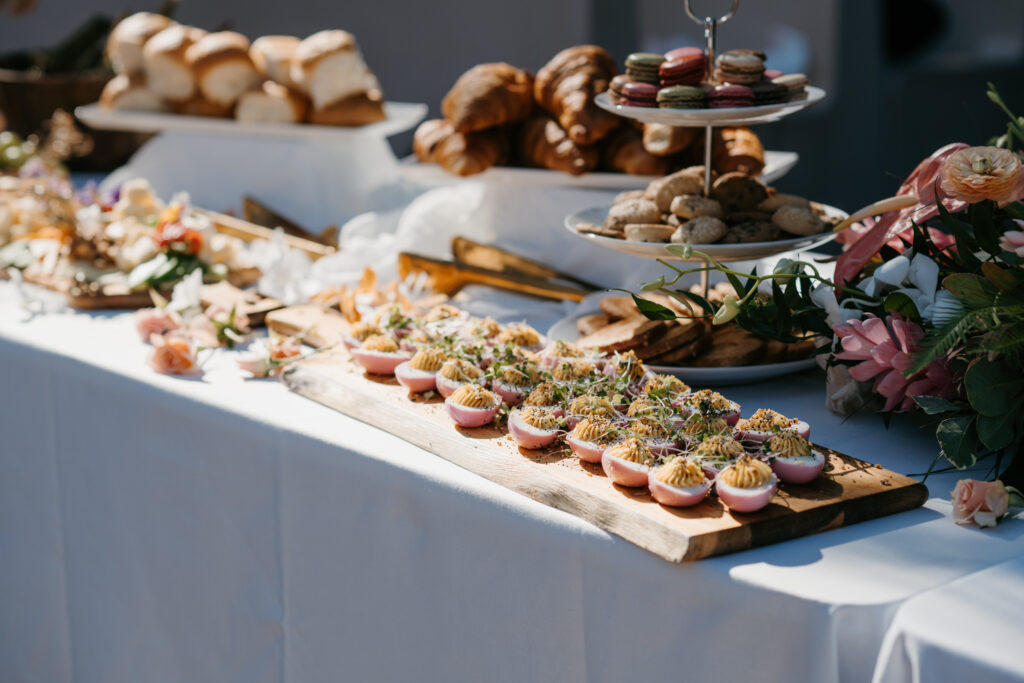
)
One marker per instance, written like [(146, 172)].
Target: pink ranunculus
[(203, 331), (174, 354), (979, 502), (150, 321), (884, 348), (1013, 240)]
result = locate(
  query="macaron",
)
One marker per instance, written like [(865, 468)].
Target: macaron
[(638, 94), (767, 92), (643, 66), (681, 97), (795, 84), (615, 88), (769, 74), (687, 70), (729, 96), (681, 52), (737, 66)]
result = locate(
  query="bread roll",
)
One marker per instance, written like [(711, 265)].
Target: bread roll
[(123, 92), (624, 152), (329, 68), (126, 40), (163, 58), (273, 56), (272, 103), (200, 106), (355, 110), (222, 67)]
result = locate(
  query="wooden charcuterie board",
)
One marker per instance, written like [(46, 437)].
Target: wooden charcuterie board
[(849, 491)]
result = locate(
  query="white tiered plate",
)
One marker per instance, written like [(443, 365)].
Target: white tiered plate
[(732, 116), (776, 165), (722, 252), (401, 116), (698, 377)]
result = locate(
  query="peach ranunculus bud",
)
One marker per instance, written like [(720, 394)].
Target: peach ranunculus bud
[(174, 354), (150, 321), (975, 174), (979, 502)]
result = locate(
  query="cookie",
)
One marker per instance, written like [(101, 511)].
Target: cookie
[(680, 52), (639, 94), (767, 92), (631, 194), (700, 230), (663, 190), (693, 205), (600, 230), (738, 192), (795, 84), (798, 221), (673, 220), (751, 231), (648, 232), (632, 211), (779, 199)]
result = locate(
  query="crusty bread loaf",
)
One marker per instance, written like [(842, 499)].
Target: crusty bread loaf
[(272, 103), (126, 40), (329, 68), (358, 109), (222, 67), (124, 92), (273, 57), (163, 57)]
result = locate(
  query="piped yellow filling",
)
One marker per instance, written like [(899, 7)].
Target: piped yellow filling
[(681, 473), (632, 450), (789, 445), (428, 360), (747, 473), (473, 396), (379, 342)]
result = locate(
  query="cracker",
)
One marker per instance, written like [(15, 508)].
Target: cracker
[(622, 335), (681, 332)]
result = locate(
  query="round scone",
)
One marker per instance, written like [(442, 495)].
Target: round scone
[(272, 103), (628, 194), (663, 190), (700, 230), (798, 221), (163, 57), (648, 232), (632, 211), (779, 200), (751, 231), (222, 66), (739, 192), (330, 68), (693, 205), (272, 56), (122, 92), (127, 39)]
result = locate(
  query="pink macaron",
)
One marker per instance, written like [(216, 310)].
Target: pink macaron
[(729, 96), (686, 70), (637, 94)]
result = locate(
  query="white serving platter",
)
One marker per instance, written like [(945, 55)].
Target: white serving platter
[(401, 116), (776, 165), (697, 377), (731, 116), (722, 252)]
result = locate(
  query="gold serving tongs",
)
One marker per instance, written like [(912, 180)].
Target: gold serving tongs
[(482, 264)]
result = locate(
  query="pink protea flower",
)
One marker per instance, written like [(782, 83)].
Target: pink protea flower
[(885, 348)]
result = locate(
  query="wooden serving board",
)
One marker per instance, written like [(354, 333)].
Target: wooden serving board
[(849, 491)]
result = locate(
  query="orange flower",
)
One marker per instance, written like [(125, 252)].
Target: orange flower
[(173, 354), (975, 174)]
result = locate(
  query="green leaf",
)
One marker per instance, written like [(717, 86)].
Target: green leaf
[(973, 290), (938, 342), (957, 438), (1002, 279), (685, 296), (933, 405), (1005, 339), (684, 251), (985, 230), (998, 432), (992, 386), (652, 310), (965, 244), (902, 304)]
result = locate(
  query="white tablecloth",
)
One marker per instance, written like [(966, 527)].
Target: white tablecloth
[(165, 529)]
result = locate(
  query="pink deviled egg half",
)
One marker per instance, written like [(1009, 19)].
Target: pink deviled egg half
[(590, 437), (516, 381), (379, 354), (678, 483), (793, 458), (764, 424), (747, 485), (472, 406), (359, 332), (419, 374), (521, 335), (711, 403), (455, 373), (534, 426), (627, 462)]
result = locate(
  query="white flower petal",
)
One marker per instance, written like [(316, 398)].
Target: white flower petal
[(894, 271), (924, 273)]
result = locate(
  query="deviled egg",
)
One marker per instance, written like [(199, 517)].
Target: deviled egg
[(590, 437), (765, 423), (379, 354), (455, 373), (680, 482), (533, 426), (627, 462), (419, 373), (793, 458), (747, 485), (472, 406)]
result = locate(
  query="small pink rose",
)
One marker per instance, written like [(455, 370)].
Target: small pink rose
[(174, 354), (150, 321), (257, 366), (979, 502)]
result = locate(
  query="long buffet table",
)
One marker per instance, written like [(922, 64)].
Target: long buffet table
[(166, 529)]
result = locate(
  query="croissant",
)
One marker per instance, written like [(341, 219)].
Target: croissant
[(488, 95), (543, 144), (737, 149), (625, 153), (661, 140), (566, 86), (463, 154)]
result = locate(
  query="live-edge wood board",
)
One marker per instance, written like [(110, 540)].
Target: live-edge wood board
[(849, 491)]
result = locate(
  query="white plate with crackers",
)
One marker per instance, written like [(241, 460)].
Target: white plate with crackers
[(615, 325), (742, 251), (731, 116)]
